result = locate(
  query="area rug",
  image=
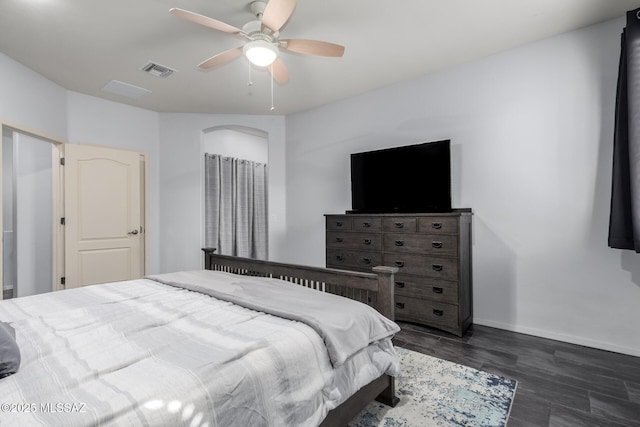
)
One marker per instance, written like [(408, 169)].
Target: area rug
[(435, 392)]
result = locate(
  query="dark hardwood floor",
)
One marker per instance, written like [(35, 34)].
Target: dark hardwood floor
[(7, 293), (559, 384)]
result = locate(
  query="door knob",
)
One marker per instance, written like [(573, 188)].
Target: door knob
[(134, 232)]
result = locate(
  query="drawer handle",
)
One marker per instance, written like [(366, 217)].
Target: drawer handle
[(339, 224), (339, 239), (437, 312), (366, 260), (437, 290), (399, 224), (400, 264), (399, 284), (436, 225), (367, 241), (399, 242), (340, 257), (400, 305), (436, 267), (436, 245), (366, 224)]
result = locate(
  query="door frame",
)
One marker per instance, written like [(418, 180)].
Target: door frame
[(57, 176)]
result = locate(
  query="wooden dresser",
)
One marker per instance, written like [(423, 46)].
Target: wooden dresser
[(432, 251)]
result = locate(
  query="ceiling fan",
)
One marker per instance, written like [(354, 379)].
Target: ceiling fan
[(263, 45)]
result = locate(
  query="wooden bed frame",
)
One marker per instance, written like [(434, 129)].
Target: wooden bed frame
[(374, 289)]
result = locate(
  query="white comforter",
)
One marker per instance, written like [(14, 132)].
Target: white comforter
[(144, 353)]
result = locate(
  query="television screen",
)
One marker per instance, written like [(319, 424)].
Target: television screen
[(414, 178)]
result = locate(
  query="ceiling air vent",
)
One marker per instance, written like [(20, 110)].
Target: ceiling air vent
[(157, 70), (125, 89)]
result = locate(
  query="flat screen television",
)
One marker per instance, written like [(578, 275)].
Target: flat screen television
[(414, 178)]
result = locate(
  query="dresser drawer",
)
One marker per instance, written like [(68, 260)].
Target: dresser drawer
[(400, 224), (426, 288), (338, 223), (438, 225), (422, 265), (346, 260), (370, 224), (425, 311), (353, 240), (445, 244)]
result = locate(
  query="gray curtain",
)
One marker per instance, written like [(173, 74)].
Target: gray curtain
[(236, 206), (624, 221)]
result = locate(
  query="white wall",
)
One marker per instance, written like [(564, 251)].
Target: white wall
[(531, 133), (182, 178), (233, 143), (97, 121), (28, 99)]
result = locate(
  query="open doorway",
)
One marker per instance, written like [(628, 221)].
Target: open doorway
[(29, 202)]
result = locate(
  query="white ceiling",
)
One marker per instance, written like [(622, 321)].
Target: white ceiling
[(84, 44)]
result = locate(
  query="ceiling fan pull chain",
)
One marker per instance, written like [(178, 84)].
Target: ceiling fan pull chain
[(272, 107), (250, 81)]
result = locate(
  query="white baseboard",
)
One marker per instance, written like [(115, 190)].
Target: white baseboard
[(559, 337)]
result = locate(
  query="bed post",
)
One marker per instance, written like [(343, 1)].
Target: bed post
[(386, 306), (385, 303), (207, 258)]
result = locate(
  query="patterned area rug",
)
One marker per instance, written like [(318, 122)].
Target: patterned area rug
[(435, 392)]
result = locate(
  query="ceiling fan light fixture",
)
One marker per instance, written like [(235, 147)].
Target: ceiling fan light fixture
[(260, 52)]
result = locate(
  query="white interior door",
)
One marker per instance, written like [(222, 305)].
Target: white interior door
[(103, 215)]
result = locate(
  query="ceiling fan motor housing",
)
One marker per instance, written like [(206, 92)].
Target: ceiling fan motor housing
[(252, 28)]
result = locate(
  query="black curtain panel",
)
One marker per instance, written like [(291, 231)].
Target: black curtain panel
[(624, 222)]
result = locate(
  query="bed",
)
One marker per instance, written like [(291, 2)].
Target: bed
[(204, 348)]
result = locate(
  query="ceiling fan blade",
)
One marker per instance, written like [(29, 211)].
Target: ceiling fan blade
[(313, 47), (204, 20), (279, 71), (221, 58), (277, 13)]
